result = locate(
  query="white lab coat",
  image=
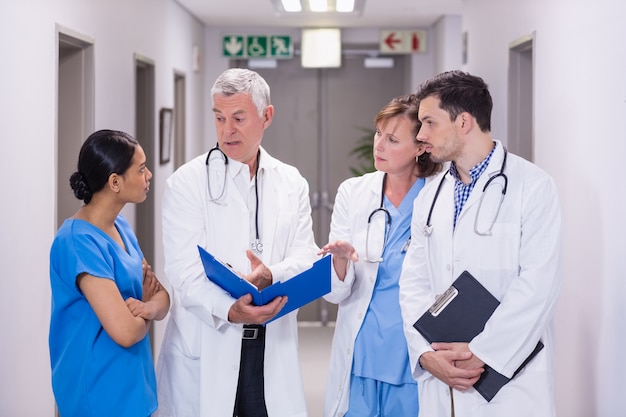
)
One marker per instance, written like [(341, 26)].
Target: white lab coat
[(356, 198), (519, 264), (198, 367)]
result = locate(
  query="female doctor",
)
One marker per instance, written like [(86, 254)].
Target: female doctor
[(370, 231)]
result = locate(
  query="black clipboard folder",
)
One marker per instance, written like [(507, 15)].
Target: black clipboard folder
[(301, 289), (458, 315)]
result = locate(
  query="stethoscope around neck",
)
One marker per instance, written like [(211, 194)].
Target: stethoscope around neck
[(256, 246), (428, 228), (385, 212)]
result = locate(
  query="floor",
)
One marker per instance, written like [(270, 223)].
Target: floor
[(314, 345)]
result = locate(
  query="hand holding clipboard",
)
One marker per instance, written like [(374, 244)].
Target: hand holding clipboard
[(458, 315)]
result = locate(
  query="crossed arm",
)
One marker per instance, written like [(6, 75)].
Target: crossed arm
[(125, 321)]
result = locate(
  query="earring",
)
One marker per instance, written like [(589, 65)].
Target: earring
[(417, 159)]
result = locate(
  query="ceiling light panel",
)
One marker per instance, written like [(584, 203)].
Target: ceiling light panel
[(290, 7), (344, 6), (318, 5)]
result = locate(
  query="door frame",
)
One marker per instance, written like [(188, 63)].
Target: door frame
[(521, 128)]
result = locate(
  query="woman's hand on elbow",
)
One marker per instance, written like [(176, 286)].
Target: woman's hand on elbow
[(146, 311), (154, 309)]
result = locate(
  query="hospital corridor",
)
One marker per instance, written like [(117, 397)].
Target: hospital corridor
[(554, 69), (315, 340)]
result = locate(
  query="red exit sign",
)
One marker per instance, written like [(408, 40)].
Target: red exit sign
[(402, 41)]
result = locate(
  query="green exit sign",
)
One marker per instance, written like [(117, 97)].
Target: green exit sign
[(257, 46)]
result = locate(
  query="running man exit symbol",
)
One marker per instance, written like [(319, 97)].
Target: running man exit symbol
[(281, 47)]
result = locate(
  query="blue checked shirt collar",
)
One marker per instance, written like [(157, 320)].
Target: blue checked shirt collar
[(462, 191)]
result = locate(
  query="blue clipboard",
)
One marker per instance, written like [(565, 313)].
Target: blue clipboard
[(301, 289)]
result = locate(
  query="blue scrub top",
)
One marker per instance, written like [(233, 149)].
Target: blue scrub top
[(92, 375), (380, 350)]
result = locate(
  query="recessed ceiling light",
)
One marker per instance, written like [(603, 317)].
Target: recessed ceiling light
[(318, 5), (345, 6), (291, 5)]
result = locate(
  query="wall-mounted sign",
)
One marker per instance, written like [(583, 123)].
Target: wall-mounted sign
[(257, 46), (402, 41)]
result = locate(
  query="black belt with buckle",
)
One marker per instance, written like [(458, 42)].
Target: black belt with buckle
[(252, 331)]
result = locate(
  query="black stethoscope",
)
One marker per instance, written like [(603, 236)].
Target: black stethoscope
[(224, 159), (256, 246), (428, 228), (380, 209)]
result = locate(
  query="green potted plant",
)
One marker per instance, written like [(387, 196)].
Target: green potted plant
[(364, 152)]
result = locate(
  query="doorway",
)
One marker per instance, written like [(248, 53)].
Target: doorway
[(145, 121), (520, 114), (320, 116), (179, 121), (75, 113)]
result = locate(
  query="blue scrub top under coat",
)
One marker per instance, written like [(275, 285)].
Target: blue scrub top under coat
[(380, 350)]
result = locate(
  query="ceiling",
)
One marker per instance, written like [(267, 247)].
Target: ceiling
[(376, 13)]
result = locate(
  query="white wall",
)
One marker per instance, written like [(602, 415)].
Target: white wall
[(447, 43), (580, 105), (157, 29)]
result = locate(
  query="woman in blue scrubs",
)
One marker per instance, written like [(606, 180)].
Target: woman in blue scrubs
[(104, 294), (369, 371)]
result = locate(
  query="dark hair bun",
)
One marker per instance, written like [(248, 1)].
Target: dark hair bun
[(80, 187)]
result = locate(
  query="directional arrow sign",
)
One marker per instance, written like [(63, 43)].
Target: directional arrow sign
[(257, 46), (392, 39), (233, 45), (402, 41)]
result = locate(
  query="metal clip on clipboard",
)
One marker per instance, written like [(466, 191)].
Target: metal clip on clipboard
[(442, 301)]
